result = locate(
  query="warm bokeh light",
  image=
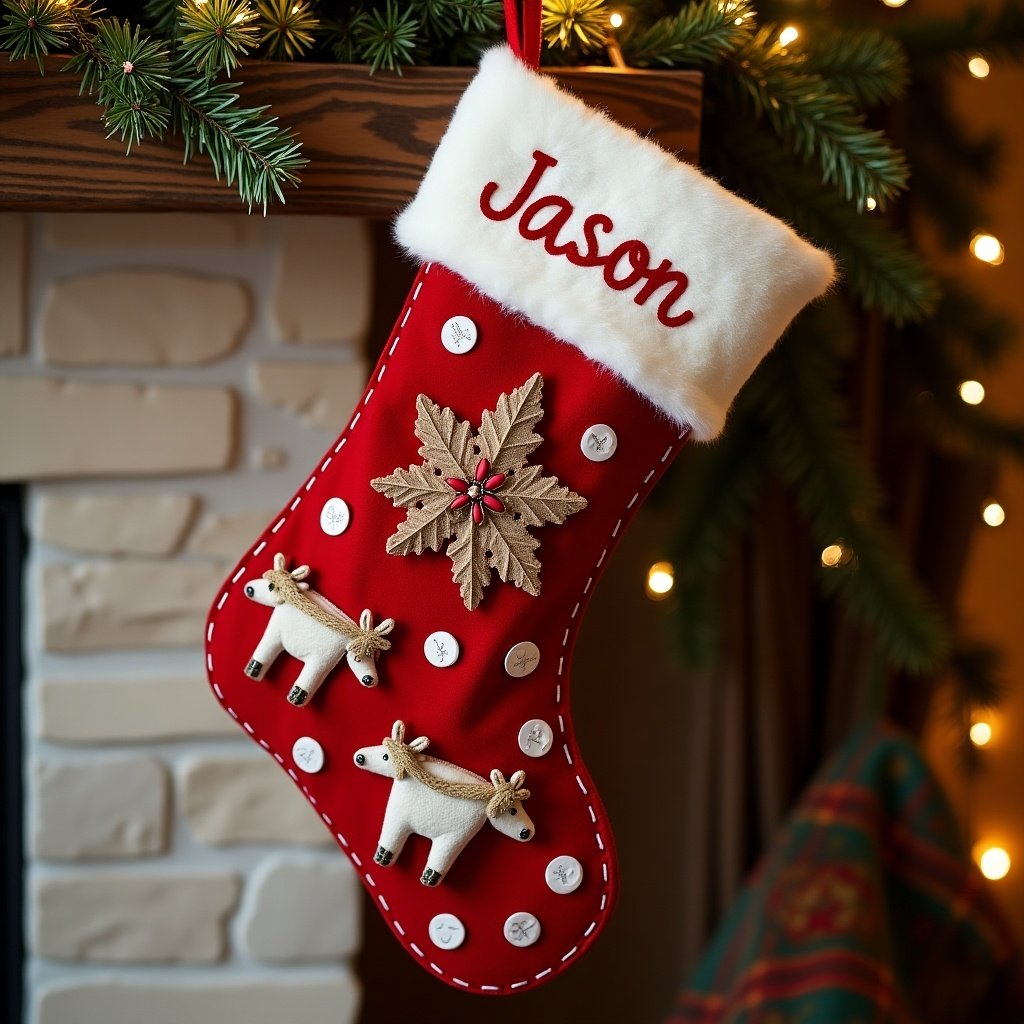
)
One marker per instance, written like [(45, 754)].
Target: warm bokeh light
[(972, 392), (615, 19), (994, 514), (870, 204), (988, 249), (660, 580), (978, 67), (994, 862), (790, 34), (981, 733), (832, 555), (894, 3)]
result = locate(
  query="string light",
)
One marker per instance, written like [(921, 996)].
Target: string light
[(994, 862), (988, 249), (832, 556), (870, 204), (972, 392), (615, 19), (790, 34), (660, 580), (978, 66), (980, 733), (994, 514)]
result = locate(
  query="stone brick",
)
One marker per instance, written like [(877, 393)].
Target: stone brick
[(82, 429), (322, 288), (109, 605), (303, 910), (246, 800), (133, 918), (319, 999), (115, 524), (129, 710), (114, 807), (13, 282), (228, 535), (142, 318), (149, 230), (322, 394)]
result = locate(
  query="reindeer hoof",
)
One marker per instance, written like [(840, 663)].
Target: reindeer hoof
[(383, 857), (367, 681), (254, 669), (298, 696), (430, 876)]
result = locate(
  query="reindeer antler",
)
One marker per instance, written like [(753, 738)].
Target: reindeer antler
[(506, 793), (369, 638)]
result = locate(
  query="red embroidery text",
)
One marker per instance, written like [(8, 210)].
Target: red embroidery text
[(625, 266)]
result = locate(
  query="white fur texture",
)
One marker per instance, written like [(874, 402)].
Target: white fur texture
[(449, 822), (749, 274)]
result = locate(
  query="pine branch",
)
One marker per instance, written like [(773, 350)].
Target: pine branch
[(287, 28), (876, 262), (386, 39), (701, 33), (216, 34), (33, 28), (583, 23), (813, 121), (868, 67)]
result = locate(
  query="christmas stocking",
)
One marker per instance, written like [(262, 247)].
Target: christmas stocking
[(400, 637)]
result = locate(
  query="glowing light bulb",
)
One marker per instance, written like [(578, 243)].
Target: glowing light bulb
[(980, 733), (832, 556), (972, 392), (790, 34), (978, 66), (615, 19), (870, 204), (894, 3), (994, 514), (660, 580), (988, 249), (994, 862)]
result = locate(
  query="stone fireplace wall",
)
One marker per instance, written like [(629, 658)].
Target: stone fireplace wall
[(165, 381)]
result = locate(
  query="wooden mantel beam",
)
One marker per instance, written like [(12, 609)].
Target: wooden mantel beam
[(368, 139)]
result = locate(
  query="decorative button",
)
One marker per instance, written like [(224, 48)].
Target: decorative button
[(564, 874), (441, 649), (334, 517), (599, 442), (446, 931), (308, 755), (522, 659), (535, 738), (522, 929), (458, 335)]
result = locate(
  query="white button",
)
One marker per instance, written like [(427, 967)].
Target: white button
[(522, 929), (458, 335), (308, 755), (334, 517), (564, 874), (446, 931), (441, 649), (522, 659), (535, 737), (599, 442)]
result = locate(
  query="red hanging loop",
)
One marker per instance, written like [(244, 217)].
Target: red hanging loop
[(524, 34)]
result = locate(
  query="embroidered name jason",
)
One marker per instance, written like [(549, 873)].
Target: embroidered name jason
[(625, 266)]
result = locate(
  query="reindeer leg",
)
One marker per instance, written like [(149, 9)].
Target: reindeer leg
[(443, 851), (393, 834), (266, 653)]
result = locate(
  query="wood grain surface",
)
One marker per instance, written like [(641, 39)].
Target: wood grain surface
[(368, 139)]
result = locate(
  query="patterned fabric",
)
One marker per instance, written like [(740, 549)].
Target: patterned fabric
[(866, 909)]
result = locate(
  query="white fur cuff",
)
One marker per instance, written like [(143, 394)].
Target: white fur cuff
[(642, 262)]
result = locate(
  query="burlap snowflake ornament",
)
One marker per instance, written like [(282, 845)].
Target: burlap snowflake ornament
[(476, 493)]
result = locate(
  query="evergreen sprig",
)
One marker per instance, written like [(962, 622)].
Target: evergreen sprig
[(216, 34), (286, 28), (386, 38), (813, 121), (700, 33), (34, 28), (868, 67), (580, 22)]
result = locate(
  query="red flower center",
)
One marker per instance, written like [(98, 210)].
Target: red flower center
[(478, 492)]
